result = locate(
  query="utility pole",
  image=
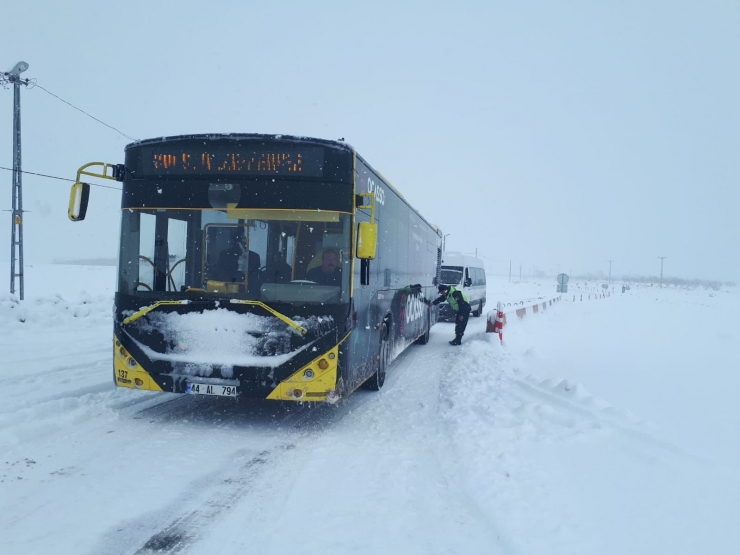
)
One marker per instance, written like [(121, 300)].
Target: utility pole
[(610, 271), (662, 258), (17, 212)]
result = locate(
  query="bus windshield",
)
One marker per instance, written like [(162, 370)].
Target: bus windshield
[(293, 256)]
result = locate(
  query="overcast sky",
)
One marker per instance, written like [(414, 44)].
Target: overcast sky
[(559, 135)]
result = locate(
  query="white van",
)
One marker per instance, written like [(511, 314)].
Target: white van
[(467, 273)]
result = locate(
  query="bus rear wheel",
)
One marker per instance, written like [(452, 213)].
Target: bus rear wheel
[(376, 381), (424, 338)]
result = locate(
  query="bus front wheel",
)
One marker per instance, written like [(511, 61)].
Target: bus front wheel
[(376, 381)]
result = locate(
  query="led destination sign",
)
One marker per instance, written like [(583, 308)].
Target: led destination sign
[(287, 160)]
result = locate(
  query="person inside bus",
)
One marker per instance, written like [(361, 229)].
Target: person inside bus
[(330, 272), (230, 264)]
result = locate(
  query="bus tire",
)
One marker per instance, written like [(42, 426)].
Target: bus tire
[(376, 381), (477, 312), (423, 339)]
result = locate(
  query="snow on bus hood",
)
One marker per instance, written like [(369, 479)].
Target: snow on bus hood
[(197, 342)]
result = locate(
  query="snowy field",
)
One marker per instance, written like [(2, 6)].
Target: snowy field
[(605, 426)]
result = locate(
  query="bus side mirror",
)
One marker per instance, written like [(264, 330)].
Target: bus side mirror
[(78, 198), (367, 240)]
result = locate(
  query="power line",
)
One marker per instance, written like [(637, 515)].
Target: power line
[(31, 83), (60, 178), (34, 84)]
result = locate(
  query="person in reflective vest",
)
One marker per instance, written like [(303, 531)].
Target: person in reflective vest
[(459, 303), (461, 320)]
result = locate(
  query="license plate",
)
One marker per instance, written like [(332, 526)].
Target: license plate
[(209, 389)]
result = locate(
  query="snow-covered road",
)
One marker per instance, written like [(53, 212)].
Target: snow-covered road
[(480, 449)]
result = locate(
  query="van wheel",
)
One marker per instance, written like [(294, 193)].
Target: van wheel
[(376, 381), (477, 312)]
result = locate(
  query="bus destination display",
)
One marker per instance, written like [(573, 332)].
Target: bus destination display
[(281, 160)]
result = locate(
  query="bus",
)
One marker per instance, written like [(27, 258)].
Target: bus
[(263, 266)]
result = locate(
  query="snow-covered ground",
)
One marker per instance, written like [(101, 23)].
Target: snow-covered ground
[(602, 426)]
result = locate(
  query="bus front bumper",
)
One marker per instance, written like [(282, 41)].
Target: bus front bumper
[(316, 381)]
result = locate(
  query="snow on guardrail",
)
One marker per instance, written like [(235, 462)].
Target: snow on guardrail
[(496, 319)]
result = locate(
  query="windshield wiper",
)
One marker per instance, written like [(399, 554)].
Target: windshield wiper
[(283, 317), (275, 313), (148, 309)]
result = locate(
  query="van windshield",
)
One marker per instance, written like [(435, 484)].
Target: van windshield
[(451, 275)]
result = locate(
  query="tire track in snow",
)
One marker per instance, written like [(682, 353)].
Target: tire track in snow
[(405, 422), (185, 521), (187, 529)]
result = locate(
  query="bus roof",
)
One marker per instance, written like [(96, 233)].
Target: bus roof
[(243, 136)]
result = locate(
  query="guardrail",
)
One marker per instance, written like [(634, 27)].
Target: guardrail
[(496, 319)]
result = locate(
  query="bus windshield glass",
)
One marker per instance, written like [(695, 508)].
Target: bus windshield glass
[(451, 275), (293, 256)]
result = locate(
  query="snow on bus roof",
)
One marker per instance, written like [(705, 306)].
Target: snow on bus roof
[(341, 145)]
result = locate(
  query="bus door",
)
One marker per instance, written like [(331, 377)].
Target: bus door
[(366, 338)]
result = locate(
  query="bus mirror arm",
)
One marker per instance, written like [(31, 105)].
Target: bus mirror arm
[(80, 193)]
